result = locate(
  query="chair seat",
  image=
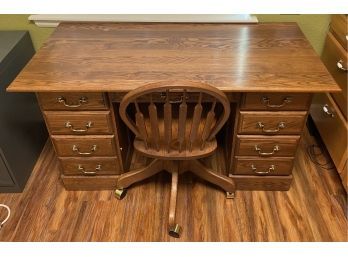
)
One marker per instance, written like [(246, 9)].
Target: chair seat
[(174, 154)]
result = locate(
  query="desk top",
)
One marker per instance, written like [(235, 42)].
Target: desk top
[(114, 57)]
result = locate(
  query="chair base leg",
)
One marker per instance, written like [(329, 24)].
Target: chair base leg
[(129, 178), (120, 193), (175, 168), (230, 195), (174, 228), (175, 231), (209, 175)]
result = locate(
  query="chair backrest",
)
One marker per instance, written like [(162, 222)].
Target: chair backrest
[(175, 116)]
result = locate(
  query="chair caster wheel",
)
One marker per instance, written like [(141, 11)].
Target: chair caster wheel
[(175, 231), (120, 193), (230, 195)]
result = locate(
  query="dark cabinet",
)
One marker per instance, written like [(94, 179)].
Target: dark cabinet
[(22, 130)]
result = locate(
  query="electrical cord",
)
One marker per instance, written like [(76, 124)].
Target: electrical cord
[(313, 156), (8, 214)]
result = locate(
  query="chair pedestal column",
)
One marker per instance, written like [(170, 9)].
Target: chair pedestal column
[(175, 167), (174, 228)]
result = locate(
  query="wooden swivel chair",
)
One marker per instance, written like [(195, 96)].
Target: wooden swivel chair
[(175, 124)]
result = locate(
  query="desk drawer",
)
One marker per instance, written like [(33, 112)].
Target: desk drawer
[(79, 123), (107, 182), (276, 101), (266, 146), (72, 101), (276, 166), (335, 59), (265, 183), (92, 166), (272, 123), (339, 27), (332, 128), (84, 146), (174, 97)]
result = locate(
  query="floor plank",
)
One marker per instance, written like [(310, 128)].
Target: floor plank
[(314, 209)]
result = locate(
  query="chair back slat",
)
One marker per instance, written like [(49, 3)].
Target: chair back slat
[(167, 113), (208, 124), (196, 121), (140, 123), (182, 122), (177, 120), (155, 134)]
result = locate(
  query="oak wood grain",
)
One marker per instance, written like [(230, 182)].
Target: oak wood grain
[(107, 165), (86, 146), (333, 52), (196, 120), (78, 183), (187, 128), (265, 183), (93, 101), (182, 122), (119, 57), (314, 209), (245, 145), (245, 165), (100, 122), (167, 113), (269, 123), (175, 160), (339, 27), (158, 98), (122, 137), (256, 101), (335, 140), (155, 133)]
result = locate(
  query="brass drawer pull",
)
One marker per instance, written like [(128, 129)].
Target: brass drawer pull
[(327, 111), (82, 101), (76, 149), (281, 125), (270, 169), (340, 66), (69, 125), (89, 173), (266, 101), (259, 150)]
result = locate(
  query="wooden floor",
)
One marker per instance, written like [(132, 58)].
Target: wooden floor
[(315, 209)]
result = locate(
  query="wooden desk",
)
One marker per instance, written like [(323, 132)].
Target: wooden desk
[(269, 72)]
